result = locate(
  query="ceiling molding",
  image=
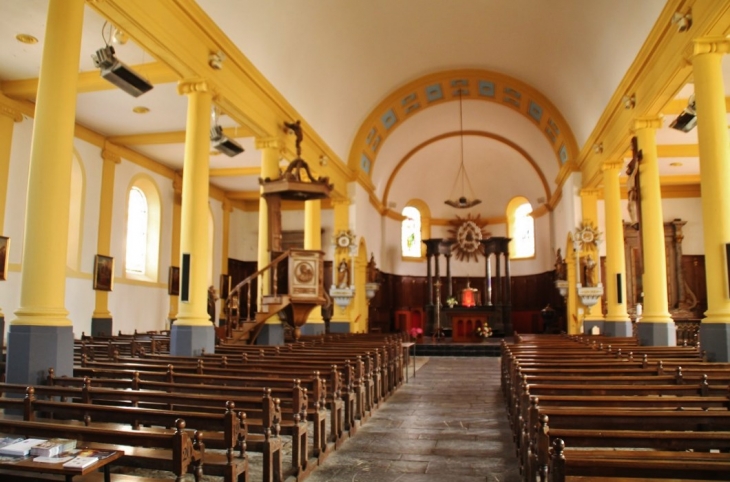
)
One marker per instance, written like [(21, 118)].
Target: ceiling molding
[(173, 137), (235, 172), (446, 86)]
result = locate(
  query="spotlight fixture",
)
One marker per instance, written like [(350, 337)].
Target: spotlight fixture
[(598, 148), (462, 202), (223, 144), (118, 73), (687, 120), (220, 142)]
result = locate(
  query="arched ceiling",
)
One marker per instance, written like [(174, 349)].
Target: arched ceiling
[(334, 63)]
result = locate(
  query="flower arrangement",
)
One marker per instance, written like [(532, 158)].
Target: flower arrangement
[(451, 301), (484, 331), (416, 332)]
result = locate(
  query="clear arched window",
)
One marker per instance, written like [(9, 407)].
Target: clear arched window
[(411, 233), (137, 221), (521, 228), (144, 219)]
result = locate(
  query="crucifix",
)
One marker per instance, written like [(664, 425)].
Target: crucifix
[(633, 186)]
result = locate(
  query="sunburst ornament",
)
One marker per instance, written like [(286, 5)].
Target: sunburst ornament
[(467, 233), (587, 235)]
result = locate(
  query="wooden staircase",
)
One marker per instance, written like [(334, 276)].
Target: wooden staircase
[(304, 290)]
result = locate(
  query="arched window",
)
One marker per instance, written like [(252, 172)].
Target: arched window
[(521, 228), (411, 233), (144, 214), (137, 219)]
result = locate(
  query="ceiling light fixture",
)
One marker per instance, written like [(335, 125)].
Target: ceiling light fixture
[(26, 38), (683, 21), (687, 120), (462, 202), (215, 60), (220, 142), (117, 72), (140, 109)]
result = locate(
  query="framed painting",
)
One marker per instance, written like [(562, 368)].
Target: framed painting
[(4, 256), (173, 281), (103, 273)]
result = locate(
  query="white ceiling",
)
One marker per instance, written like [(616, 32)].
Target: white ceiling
[(335, 61)]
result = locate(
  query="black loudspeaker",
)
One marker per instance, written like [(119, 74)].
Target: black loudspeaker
[(185, 278), (619, 297), (727, 264)]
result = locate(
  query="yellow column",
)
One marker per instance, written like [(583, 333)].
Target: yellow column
[(341, 213), (41, 336), (589, 207), (313, 240), (193, 224), (574, 308), (714, 174), (43, 285), (617, 322), (656, 326), (270, 148), (227, 209), (8, 117), (175, 248), (101, 321)]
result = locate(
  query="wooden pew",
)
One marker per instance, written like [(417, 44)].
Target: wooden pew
[(173, 451)]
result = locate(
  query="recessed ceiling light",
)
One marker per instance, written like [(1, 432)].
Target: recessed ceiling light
[(675, 164), (26, 38), (140, 109)]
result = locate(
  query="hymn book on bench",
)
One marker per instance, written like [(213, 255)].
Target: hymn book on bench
[(21, 448)]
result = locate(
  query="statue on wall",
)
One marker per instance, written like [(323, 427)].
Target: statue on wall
[(590, 271), (343, 274), (372, 271), (560, 267)]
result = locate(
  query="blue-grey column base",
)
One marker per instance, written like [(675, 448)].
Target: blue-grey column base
[(101, 327), (656, 334), (715, 340), (33, 349), (589, 324), (314, 329), (339, 327), (272, 334), (617, 328), (189, 340)]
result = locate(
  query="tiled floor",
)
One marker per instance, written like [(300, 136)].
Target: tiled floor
[(447, 424)]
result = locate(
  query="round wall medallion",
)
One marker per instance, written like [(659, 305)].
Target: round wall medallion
[(467, 234)]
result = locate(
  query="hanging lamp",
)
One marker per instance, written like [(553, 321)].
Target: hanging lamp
[(462, 202)]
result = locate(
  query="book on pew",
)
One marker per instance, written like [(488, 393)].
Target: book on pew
[(80, 462), (53, 460), (53, 447), (21, 448)]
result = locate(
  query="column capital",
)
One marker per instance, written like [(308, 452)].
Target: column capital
[(269, 143), (617, 164), (340, 201), (177, 183), (227, 205), (589, 191), (109, 155), (711, 45), (8, 111), (192, 86), (651, 122)]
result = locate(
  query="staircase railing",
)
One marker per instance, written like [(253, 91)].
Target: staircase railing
[(232, 321)]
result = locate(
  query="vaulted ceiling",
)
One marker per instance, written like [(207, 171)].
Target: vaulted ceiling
[(353, 71)]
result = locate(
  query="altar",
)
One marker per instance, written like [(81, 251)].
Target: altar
[(485, 304), (463, 322)]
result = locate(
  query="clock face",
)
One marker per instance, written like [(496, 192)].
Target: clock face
[(343, 241)]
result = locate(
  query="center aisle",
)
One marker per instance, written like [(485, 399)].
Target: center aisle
[(447, 424)]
